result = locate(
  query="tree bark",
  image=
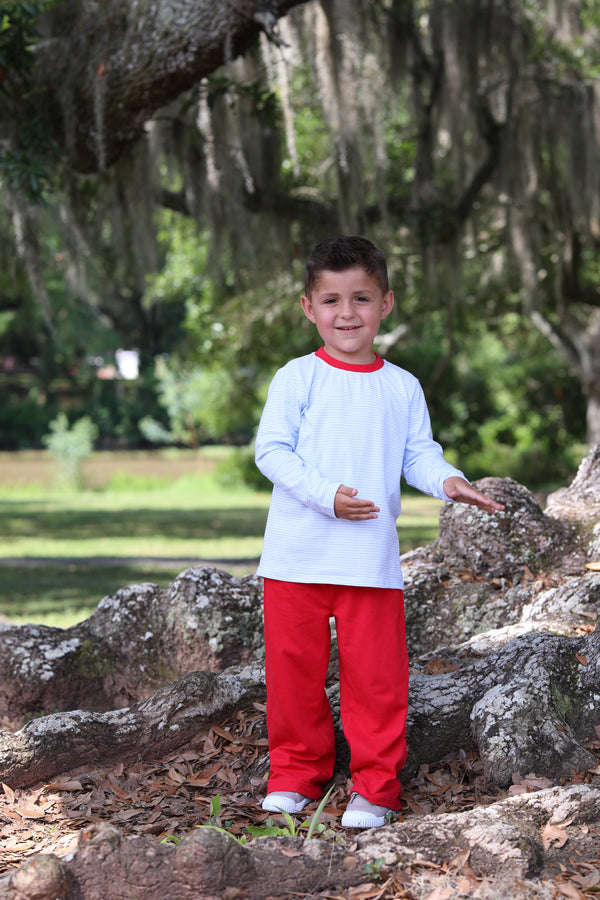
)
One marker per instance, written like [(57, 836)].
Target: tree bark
[(135, 642), (105, 68), (526, 707), (154, 727), (507, 842)]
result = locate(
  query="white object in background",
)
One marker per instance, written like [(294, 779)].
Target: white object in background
[(128, 363)]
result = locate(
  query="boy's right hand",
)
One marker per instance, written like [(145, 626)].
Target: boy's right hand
[(348, 506)]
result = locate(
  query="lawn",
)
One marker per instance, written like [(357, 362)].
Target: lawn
[(142, 518)]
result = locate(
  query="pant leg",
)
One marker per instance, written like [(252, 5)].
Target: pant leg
[(299, 722), (373, 688)]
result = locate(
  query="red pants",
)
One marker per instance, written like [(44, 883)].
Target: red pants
[(373, 686)]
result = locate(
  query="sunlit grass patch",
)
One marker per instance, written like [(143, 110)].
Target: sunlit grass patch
[(157, 508)]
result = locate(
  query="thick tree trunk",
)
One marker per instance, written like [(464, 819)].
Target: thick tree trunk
[(105, 68), (506, 842), (154, 727), (593, 417)]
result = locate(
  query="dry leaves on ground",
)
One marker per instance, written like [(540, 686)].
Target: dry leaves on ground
[(167, 798)]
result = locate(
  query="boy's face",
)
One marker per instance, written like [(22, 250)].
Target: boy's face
[(347, 308)]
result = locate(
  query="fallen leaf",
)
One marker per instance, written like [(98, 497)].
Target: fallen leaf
[(439, 666), (553, 834), (233, 893), (30, 812), (10, 794), (591, 880), (10, 813), (440, 893), (528, 783), (175, 776), (466, 575), (458, 862), (362, 890), (581, 659), (570, 891), (64, 786), (594, 566)]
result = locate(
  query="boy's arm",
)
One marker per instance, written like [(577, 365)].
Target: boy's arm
[(462, 492), (276, 442), (426, 468)]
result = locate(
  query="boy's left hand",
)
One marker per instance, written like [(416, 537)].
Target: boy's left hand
[(461, 491)]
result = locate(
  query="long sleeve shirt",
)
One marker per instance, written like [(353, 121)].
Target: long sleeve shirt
[(327, 423)]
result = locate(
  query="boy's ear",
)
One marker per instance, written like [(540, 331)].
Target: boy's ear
[(387, 305), (307, 308)]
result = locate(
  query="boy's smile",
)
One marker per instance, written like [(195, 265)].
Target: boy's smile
[(347, 307)]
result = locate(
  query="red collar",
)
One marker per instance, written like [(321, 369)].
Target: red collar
[(378, 363)]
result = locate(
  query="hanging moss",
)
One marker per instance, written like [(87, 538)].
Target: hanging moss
[(448, 132)]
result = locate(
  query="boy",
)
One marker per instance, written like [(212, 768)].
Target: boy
[(339, 428)]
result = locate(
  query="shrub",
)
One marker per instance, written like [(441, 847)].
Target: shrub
[(70, 446)]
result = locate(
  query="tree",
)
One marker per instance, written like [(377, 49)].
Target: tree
[(457, 135)]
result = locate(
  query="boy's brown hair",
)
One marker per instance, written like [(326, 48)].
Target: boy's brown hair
[(346, 252)]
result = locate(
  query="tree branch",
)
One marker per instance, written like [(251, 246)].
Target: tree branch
[(102, 71)]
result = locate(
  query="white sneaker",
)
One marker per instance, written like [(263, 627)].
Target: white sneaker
[(285, 801), (362, 814)]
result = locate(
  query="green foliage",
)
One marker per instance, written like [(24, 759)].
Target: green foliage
[(202, 404), (502, 401), (24, 416), (374, 869), (71, 446), (313, 827), (213, 820), (25, 165), (240, 468)]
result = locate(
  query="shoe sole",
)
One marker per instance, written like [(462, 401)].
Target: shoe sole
[(362, 820)]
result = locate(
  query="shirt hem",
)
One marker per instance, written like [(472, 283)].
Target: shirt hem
[(323, 578)]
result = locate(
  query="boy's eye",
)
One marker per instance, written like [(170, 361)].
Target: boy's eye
[(363, 299)]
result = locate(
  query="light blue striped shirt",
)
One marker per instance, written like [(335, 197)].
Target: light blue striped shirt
[(326, 423)]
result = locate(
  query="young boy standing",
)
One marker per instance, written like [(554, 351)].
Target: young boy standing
[(339, 429)]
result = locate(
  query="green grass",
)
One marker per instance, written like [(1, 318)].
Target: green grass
[(194, 517), (147, 527)]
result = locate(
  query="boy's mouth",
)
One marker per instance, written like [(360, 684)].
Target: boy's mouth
[(348, 327)]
